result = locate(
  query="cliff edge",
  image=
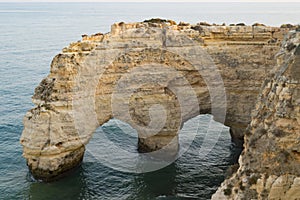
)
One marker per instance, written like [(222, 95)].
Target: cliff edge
[(270, 162), (75, 98)]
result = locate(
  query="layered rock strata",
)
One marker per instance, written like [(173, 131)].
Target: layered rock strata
[(107, 76), (270, 163)]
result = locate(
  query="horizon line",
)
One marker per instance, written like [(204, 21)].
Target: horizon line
[(148, 1)]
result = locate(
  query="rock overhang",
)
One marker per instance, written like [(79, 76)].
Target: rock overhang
[(243, 55)]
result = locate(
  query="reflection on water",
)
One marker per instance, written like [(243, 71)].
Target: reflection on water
[(188, 177), (161, 183), (71, 187)]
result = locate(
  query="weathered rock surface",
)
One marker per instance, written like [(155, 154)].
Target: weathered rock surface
[(270, 162), (125, 73)]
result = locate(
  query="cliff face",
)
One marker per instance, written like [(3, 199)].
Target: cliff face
[(197, 69), (270, 162)]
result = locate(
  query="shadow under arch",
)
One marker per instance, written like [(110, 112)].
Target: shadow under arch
[(174, 82), (177, 179), (90, 102), (118, 132), (188, 177)]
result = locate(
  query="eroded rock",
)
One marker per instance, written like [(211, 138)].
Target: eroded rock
[(270, 162), (78, 94)]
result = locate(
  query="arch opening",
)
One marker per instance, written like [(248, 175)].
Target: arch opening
[(188, 168), (157, 94), (186, 84), (118, 140)]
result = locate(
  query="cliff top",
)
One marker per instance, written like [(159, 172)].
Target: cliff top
[(202, 32)]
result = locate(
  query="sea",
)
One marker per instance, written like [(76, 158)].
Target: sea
[(31, 34)]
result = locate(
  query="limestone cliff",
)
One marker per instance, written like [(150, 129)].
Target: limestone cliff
[(82, 91), (270, 162)]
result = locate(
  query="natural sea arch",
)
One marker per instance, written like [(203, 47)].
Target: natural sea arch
[(153, 90), (115, 143), (155, 84)]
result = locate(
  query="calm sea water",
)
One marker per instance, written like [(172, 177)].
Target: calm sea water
[(32, 34)]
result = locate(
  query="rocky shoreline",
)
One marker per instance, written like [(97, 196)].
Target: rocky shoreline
[(270, 162), (57, 129)]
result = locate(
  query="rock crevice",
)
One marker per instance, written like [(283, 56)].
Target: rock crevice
[(270, 162), (90, 80)]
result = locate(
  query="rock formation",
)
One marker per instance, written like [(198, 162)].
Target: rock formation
[(270, 162), (197, 69)]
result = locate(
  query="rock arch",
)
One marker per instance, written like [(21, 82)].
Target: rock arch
[(78, 95)]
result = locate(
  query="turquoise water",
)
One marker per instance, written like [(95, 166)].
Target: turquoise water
[(32, 34)]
